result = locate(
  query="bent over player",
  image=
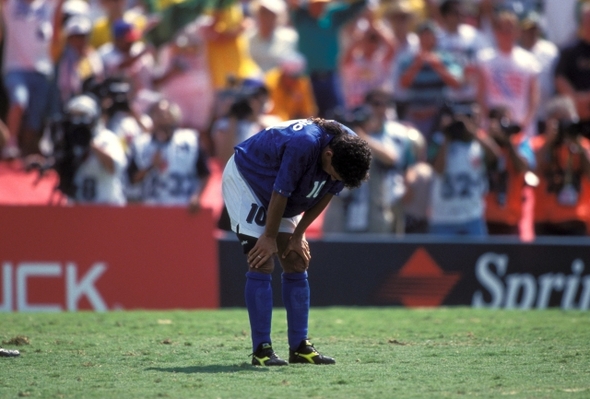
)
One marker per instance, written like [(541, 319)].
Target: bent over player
[(274, 186)]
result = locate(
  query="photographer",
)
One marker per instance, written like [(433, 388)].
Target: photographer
[(88, 157), (169, 163), (562, 199), (119, 117), (504, 202), (460, 181), (243, 118)]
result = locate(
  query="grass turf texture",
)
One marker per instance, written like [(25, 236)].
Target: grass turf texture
[(380, 353)]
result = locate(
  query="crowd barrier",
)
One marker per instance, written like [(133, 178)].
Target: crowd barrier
[(103, 258), (55, 258), (424, 271)]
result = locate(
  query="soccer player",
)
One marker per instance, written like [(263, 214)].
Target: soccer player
[(274, 186)]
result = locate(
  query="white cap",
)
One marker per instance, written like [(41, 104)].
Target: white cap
[(83, 105), (277, 7), (75, 7), (78, 25)]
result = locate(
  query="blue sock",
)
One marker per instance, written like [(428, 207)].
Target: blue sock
[(258, 294), (296, 301)]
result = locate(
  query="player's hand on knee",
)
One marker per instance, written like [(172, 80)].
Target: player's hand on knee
[(294, 263), (263, 251), (300, 247)]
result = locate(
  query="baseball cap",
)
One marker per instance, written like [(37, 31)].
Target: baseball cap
[(125, 30), (277, 7), (78, 25), (76, 7), (84, 107)]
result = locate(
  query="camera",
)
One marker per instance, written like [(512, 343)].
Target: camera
[(570, 129), (111, 93), (72, 137), (509, 128), (452, 120)]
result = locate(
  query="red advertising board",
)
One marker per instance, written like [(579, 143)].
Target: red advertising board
[(105, 258)]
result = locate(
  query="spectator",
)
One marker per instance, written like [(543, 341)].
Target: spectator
[(114, 10), (228, 53), (185, 77), (462, 41), (504, 202), (547, 54), (169, 162), (68, 9), (460, 181), (291, 94), (89, 158), (562, 199), (28, 68), (508, 74), (270, 39), (78, 61), (366, 62), (119, 118), (426, 75), (573, 68), (245, 117), (375, 206), (400, 17), (318, 24), (128, 57)]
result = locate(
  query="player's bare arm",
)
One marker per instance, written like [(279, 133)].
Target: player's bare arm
[(297, 242)]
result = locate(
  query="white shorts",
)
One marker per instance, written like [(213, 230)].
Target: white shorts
[(246, 212)]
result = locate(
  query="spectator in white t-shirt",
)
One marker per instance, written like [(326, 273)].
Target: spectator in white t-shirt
[(463, 41), (508, 74), (270, 39)]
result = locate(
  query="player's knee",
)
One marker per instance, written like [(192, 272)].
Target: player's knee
[(267, 268), (293, 263)]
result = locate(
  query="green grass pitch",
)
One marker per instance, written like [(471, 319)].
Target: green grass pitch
[(380, 353)]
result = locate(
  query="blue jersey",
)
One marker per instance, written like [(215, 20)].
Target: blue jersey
[(287, 158)]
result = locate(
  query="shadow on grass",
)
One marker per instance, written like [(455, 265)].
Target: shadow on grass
[(211, 369)]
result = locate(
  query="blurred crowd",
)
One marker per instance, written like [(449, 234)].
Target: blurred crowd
[(475, 110)]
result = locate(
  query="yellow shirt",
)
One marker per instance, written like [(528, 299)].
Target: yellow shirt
[(230, 57), (293, 102)]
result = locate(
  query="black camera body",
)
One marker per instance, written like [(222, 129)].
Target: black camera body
[(571, 130), (508, 127), (71, 147), (112, 93), (456, 129)]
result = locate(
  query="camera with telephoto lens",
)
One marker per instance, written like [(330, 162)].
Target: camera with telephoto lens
[(572, 129), (112, 93), (509, 128), (72, 138), (453, 116)]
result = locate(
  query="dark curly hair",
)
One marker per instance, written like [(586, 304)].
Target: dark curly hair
[(352, 155)]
